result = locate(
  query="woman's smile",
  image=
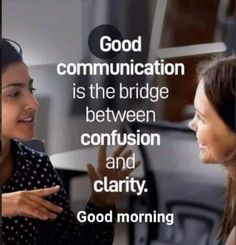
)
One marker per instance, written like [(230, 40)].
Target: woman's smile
[(28, 120), (201, 146)]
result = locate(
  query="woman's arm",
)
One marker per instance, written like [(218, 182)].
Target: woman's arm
[(30, 204), (66, 229)]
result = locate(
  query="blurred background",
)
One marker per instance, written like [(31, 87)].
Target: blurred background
[(57, 31)]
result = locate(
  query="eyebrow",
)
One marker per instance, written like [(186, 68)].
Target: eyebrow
[(18, 84)]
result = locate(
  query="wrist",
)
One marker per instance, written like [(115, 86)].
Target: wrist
[(5, 208), (9, 207), (92, 208), (104, 204)]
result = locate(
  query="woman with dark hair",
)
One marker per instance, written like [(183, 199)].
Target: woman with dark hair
[(35, 208), (214, 124)]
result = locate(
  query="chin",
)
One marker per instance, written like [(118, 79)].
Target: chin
[(205, 158), (209, 160), (24, 137)]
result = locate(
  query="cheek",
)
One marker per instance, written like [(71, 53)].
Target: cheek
[(210, 141), (220, 145), (204, 133), (209, 135), (9, 118)]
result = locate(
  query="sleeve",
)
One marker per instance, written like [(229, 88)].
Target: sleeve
[(66, 229)]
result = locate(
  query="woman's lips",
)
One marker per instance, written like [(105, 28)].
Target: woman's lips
[(201, 146), (27, 121)]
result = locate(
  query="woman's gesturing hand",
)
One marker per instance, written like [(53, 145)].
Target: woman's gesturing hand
[(105, 199), (30, 204)]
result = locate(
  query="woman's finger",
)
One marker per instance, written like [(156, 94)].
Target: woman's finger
[(46, 204), (123, 159), (102, 153), (29, 211), (92, 173), (119, 150), (40, 209), (46, 191), (128, 171)]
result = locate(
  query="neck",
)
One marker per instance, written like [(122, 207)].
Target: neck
[(6, 155), (231, 168), (6, 165), (230, 164)]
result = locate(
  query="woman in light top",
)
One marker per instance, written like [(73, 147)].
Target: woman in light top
[(214, 125)]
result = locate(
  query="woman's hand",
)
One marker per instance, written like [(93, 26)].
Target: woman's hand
[(106, 199), (30, 204)]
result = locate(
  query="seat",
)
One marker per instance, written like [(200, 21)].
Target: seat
[(178, 183)]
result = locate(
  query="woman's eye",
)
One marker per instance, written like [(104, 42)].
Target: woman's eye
[(32, 90), (14, 94), (199, 117)]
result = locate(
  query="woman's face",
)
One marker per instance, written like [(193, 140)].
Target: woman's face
[(217, 143), (19, 105)]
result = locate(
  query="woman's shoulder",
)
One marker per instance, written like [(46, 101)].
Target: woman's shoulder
[(32, 169), (231, 239), (25, 153)]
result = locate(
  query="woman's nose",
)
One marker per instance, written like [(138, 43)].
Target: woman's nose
[(31, 103), (192, 124)]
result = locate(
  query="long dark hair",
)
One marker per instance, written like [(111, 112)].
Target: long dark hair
[(11, 53), (219, 78)]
